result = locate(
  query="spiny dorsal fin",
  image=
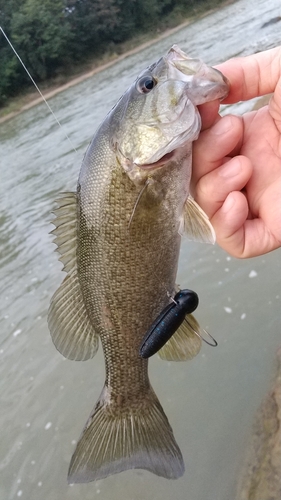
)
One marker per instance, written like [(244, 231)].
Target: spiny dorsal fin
[(184, 344), (68, 320), (196, 224)]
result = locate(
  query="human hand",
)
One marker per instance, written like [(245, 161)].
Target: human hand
[(237, 160)]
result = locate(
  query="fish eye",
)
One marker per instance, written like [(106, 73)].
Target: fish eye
[(145, 84)]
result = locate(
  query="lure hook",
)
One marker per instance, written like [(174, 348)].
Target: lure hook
[(212, 344)]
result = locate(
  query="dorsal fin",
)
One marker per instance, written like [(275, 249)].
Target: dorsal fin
[(68, 320)]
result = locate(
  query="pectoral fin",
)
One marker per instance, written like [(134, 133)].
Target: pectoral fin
[(184, 344), (68, 320), (195, 223)]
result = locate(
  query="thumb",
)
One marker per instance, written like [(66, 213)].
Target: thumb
[(209, 112)]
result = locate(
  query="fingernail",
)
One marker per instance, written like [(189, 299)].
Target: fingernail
[(223, 126), (230, 169)]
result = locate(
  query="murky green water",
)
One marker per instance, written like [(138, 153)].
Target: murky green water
[(45, 400)]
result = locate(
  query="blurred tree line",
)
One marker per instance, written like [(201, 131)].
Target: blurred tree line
[(51, 35)]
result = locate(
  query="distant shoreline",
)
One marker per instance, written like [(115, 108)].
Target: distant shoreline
[(33, 99), (36, 99)]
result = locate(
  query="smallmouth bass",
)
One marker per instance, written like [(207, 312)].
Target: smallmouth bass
[(119, 240)]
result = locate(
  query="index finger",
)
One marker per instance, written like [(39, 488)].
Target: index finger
[(252, 76)]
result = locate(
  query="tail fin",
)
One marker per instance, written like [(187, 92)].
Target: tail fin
[(117, 439)]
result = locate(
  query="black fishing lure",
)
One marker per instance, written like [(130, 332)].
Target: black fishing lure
[(168, 321)]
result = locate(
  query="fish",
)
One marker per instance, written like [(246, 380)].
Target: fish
[(119, 238)]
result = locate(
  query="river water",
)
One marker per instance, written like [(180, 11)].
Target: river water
[(45, 400)]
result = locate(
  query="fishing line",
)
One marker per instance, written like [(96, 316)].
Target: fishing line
[(37, 88)]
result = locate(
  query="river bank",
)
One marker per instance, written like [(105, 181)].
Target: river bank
[(49, 89)]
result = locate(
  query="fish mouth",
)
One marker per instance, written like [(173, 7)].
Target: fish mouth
[(158, 163), (204, 83)]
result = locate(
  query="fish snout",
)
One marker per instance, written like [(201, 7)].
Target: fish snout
[(203, 83), (217, 77), (208, 85)]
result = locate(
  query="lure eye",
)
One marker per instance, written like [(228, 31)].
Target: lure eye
[(145, 84)]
